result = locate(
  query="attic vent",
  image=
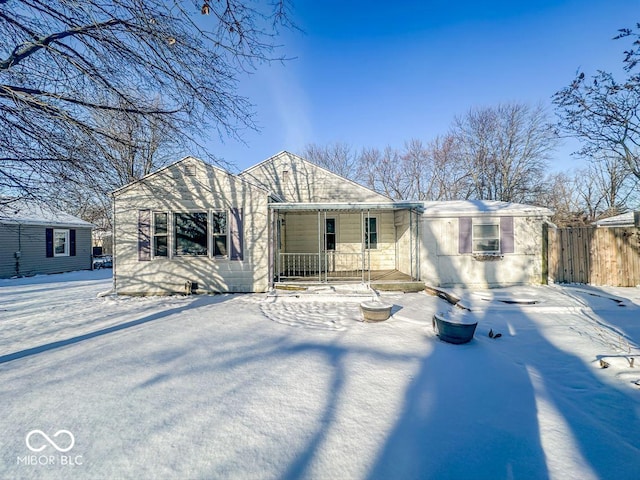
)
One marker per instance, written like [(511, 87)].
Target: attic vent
[(189, 170), (285, 176)]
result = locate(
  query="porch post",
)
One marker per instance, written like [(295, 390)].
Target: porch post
[(362, 244), (369, 244), (418, 243), (275, 220), (411, 242), (324, 246), (319, 251)]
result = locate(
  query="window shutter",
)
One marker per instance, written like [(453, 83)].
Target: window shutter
[(507, 243), (49, 241), (72, 243), (464, 235), (144, 235), (236, 234)]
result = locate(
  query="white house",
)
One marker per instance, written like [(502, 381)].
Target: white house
[(194, 225)]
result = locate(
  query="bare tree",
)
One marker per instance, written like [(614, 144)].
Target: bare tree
[(433, 171), (383, 171), (449, 180), (505, 150), (135, 146), (605, 187), (64, 65), (417, 165), (338, 157), (604, 113), (579, 197), (561, 196)]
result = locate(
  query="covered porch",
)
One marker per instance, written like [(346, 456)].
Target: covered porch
[(344, 242)]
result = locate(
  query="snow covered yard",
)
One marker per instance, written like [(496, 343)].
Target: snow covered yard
[(250, 386)]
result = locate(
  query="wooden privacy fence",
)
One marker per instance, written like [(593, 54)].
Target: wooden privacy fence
[(597, 256)]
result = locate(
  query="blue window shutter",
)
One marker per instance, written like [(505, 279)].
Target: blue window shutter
[(464, 235), (72, 243), (236, 233), (49, 241), (144, 235), (507, 243)]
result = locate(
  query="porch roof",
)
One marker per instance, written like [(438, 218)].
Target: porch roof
[(353, 206)]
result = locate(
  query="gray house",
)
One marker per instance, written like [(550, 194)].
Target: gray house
[(35, 240)]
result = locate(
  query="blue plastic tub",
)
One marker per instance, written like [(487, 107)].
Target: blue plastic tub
[(453, 330)]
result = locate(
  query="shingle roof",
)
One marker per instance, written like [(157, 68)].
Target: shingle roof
[(28, 212)]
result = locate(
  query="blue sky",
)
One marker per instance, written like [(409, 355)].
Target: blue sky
[(375, 73)]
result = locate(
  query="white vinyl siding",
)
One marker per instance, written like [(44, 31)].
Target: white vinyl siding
[(171, 191)]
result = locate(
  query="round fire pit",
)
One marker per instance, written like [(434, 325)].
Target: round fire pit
[(454, 329), (375, 311)]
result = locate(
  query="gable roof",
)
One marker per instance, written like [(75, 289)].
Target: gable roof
[(296, 159), (483, 208), (174, 164), (26, 212)]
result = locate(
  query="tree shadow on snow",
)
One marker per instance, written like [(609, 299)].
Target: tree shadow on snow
[(198, 302), (472, 410)]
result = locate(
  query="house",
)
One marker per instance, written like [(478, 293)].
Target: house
[(483, 243), (192, 225), (629, 219), (36, 239)]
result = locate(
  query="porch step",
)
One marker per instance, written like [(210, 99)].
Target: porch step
[(407, 287)]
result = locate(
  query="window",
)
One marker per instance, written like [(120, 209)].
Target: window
[(486, 238), (219, 231), (60, 243), (330, 234), (160, 235), (191, 234), (371, 232)]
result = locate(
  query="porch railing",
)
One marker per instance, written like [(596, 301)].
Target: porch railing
[(324, 266)]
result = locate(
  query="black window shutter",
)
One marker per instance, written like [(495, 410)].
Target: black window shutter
[(144, 235), (72, 243), (507, 243), (464, 235), (235, 231), (49, 241)]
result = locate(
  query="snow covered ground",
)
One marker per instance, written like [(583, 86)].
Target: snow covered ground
[(295, 386)]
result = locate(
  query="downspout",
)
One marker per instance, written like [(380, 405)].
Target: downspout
[(270, 247), (18, 254), (113, 246)]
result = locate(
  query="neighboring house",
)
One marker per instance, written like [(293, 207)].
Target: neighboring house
[(36, 239), (192, 225), (629, 219)]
